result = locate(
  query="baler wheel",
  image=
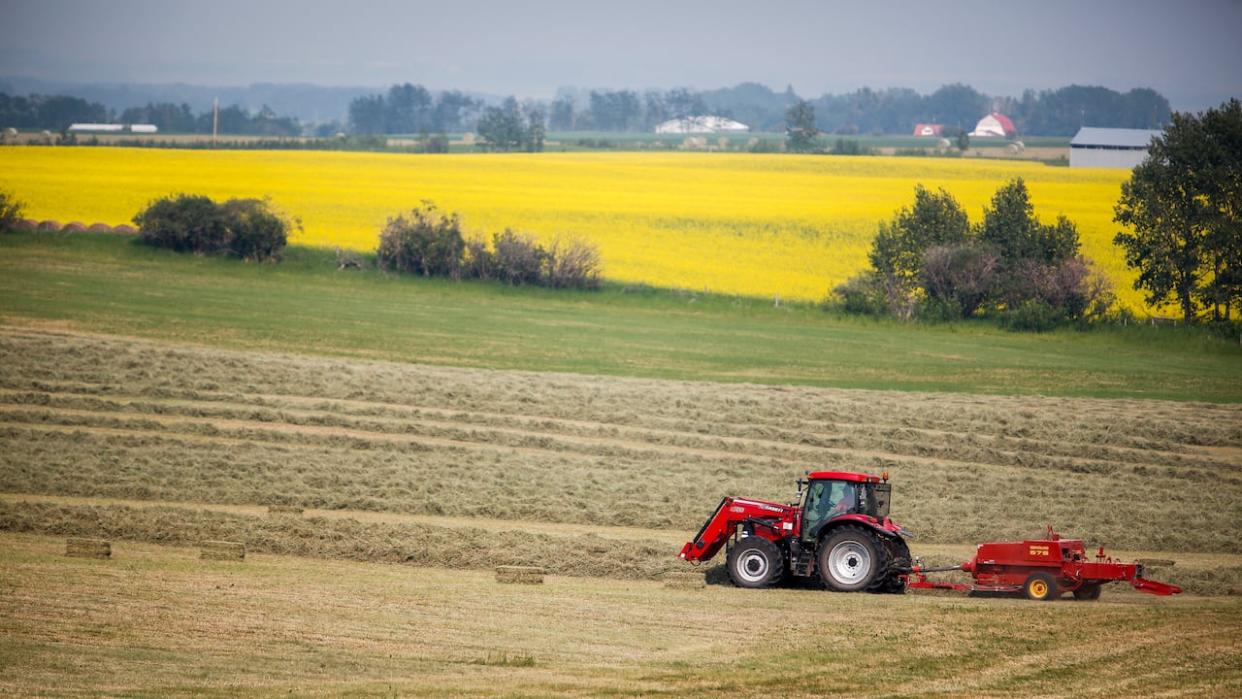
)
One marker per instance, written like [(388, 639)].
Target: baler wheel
[(1041, 587), (755, 562), (1088, 593), (852, 559)]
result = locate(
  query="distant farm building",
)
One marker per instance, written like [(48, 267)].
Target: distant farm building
[(112, 128), (994, 125), (701, 124), (929, 129), (1124, 148)]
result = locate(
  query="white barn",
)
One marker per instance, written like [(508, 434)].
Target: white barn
[(1124, 148), (994, 125), (702, 124)]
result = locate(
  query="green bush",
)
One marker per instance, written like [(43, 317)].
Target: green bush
[(1032, 316), (425, 242), (517, 258), (862, 294), (247, 228), (11, 211), (572, 264)]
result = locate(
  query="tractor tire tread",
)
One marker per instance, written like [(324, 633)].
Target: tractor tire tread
[(776, 561)]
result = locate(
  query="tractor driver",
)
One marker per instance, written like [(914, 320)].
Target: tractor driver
[(845, 499)]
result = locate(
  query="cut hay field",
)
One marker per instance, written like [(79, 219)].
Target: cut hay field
[(584, 475), (157, 621), (418, 480), (757, 225)]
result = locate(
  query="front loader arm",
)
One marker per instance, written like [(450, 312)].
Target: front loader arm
[(731, 512)]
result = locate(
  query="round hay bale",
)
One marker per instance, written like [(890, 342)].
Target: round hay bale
[(222, 550), (82, 547), (99, 228), (49, 226), (74, 227), (26, 225), (125, 228), (521, 575), (284, 510)]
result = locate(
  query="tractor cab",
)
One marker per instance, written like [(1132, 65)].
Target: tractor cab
[(832, 494)]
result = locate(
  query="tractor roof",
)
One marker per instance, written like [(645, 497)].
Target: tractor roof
[(843, 476)]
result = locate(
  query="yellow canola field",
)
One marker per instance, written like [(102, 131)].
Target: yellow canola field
[(759, 225)]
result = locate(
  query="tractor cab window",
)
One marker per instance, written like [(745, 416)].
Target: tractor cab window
[(873, 499), (824, 501)]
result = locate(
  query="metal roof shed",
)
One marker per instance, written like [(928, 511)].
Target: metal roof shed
[(1097, 147)]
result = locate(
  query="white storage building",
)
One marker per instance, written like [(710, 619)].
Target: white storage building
[(1096, 147), (702, 124)]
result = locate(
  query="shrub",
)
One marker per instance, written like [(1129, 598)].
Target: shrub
[(426, 242), (11, 211), (477, 261), (184, 223), (960, 277), (518, 259), (573, 264), (257, 232), (1032, 316), (861, 294), (248, 228)]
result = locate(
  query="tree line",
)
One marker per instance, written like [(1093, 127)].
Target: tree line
[(411, 108), (57, 112)]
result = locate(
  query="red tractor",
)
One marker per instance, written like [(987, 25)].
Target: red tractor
[(838, 528)]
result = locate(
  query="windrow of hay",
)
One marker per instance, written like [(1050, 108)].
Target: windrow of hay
[(293, 510)]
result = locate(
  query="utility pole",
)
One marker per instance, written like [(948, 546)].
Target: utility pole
[(215, 120)]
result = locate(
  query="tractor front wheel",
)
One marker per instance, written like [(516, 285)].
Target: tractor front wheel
[(850, 560), (1041, 587), (755, 562)]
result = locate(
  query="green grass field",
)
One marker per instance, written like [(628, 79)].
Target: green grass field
[(108, 284)]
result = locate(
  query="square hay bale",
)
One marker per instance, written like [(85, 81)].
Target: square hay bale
[(292, 510), (684, 580), (522, 575), (80, 547), (223, 550)]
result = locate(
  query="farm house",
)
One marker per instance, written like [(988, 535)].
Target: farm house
[(929, 129), (994, 125), (1096, 147), (701, 124)]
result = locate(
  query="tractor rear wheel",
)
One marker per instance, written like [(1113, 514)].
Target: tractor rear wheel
[(899, 566), (852, 559), (755, 562), (1041, 587), (1089, 592)]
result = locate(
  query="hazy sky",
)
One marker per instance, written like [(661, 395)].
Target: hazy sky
[(1190, 51)]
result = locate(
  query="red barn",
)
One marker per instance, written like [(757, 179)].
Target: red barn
[(928, 129)]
